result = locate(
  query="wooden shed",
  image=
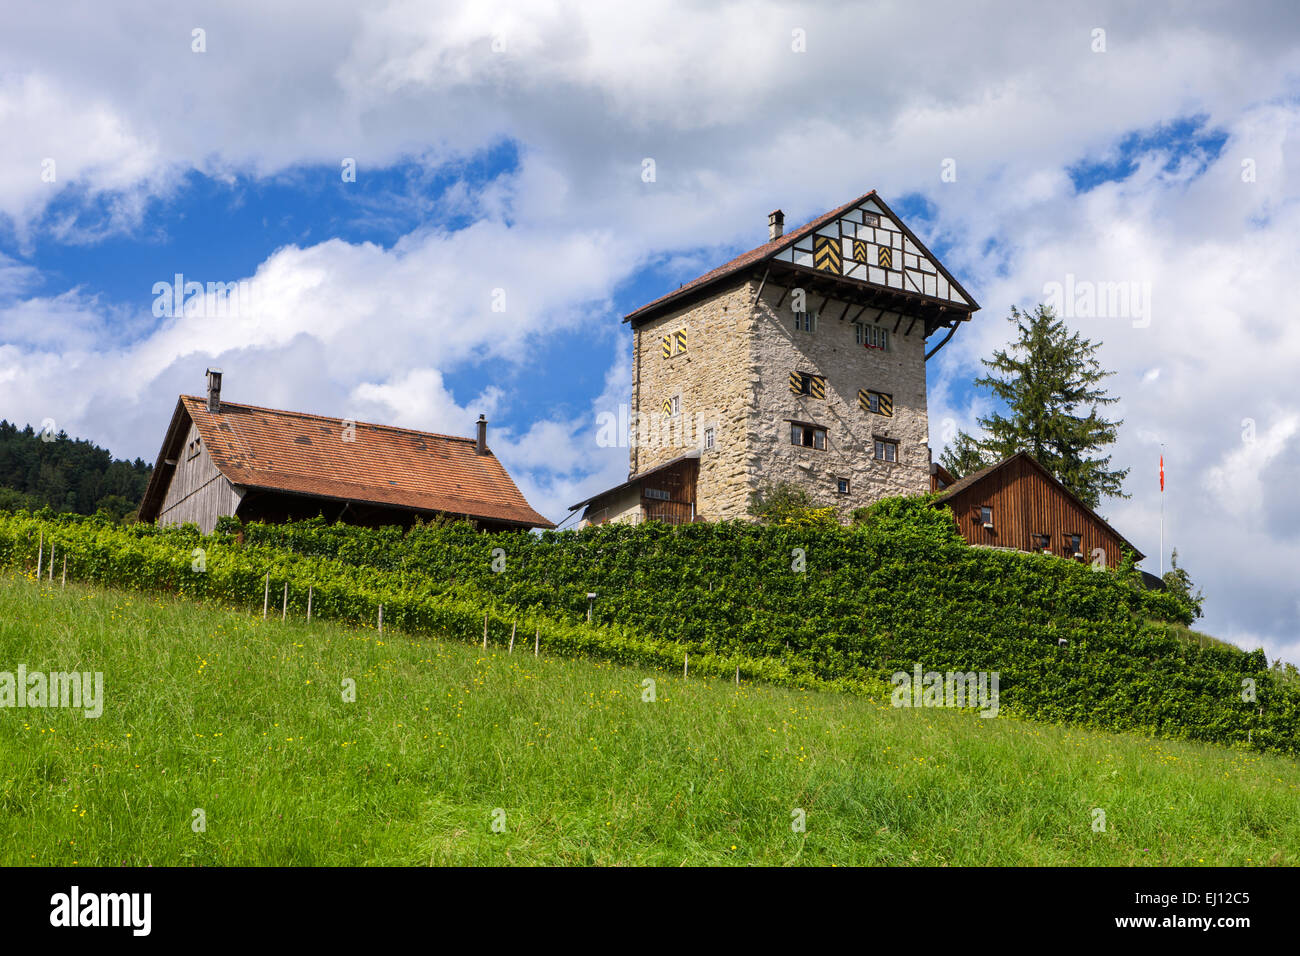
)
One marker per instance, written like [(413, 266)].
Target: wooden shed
[(1019, 504), (219, 458)]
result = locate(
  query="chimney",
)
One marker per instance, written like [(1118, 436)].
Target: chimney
[(775, 224), (214, 390), (481, 448)]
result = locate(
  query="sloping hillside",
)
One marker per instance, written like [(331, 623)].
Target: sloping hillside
[(215, 710), (794, 606)]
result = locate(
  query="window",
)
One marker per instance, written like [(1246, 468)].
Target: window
[(842, 486), (986, 517), (1073, 547), (809, 436), (673, 406), (708, 439), (1043, 542), (193, 449), (806, 321), (872, 336), (886, 449), (804, 383), (674, 343), (877, 403)]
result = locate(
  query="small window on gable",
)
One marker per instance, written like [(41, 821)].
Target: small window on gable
[(886, 449), (872, 336), (805, 383), (806, 321), (842, 486), (674, 343), (194, 447)]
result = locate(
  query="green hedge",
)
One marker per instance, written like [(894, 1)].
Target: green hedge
[(898, 588)]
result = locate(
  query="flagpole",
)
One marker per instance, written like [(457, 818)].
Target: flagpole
[(1162, 511)]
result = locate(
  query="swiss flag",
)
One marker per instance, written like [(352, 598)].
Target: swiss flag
[(1162, 472)]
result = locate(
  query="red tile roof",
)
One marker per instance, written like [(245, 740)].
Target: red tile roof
[(301, 453), (748, 258)]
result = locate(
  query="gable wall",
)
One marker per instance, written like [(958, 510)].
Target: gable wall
[(1025, 503), (197, 491), (832, 351)]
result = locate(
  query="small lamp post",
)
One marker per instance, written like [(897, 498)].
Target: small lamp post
[(591, 596)]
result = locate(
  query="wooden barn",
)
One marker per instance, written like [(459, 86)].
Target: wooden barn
[(219, 459), (1019, 504)]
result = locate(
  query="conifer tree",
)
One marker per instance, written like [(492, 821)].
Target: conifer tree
[(1049, 382)]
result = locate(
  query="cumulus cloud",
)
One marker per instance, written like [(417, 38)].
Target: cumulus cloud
[(738, 121)]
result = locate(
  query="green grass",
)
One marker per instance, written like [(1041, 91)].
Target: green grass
[(216, 709)]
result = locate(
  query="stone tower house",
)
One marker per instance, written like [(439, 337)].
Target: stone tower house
[(801, 361)]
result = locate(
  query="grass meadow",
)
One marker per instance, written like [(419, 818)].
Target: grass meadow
[(450, 755)]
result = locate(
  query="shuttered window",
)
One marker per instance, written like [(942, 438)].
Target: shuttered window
[(876, 403), (805, 383)]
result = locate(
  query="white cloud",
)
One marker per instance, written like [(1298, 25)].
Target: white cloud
[(738, 124)]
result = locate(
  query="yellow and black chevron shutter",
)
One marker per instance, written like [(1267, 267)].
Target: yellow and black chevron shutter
[(886, 404), (680, 335), (668, 346), (886, 257), (864, 399), (827, 255), (796, 383), (817, 386), (859, 251), (668, 406)]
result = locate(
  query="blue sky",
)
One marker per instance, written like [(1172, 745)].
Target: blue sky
[(501, 147)]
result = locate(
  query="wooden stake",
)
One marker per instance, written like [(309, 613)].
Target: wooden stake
[(737, 675), (266, 595), (485, 614), (537, 639), (65, 572), (381, 619), (40, 557), (686, 664), (51, 561), (309, 587), (513, 625), (284, 602)]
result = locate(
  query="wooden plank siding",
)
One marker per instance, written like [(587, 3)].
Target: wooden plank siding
[(679, 482), (1026, 503), (197, 492)]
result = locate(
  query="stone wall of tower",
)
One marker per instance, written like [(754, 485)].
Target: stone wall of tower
[(734, 377), (779, 348), (713, 380)]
